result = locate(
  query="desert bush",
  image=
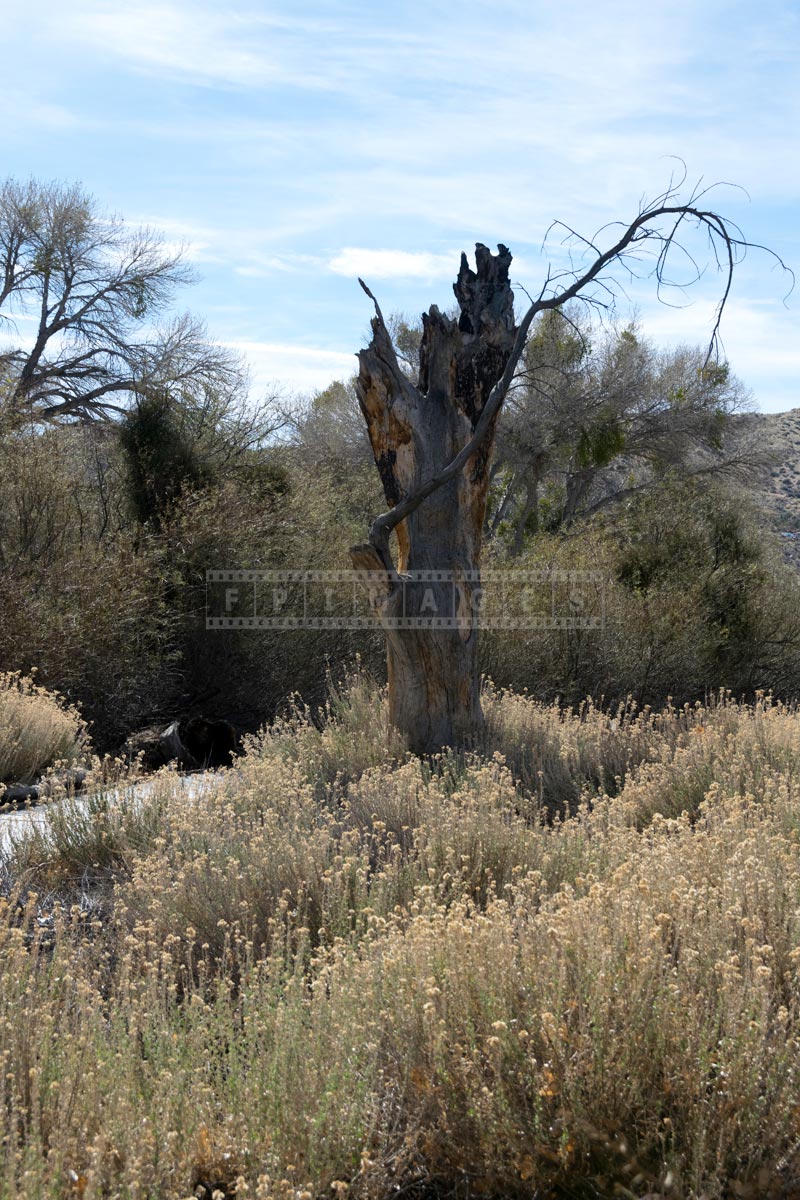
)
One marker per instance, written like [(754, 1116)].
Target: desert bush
[(557, 753), (560, 754), (640, 1031), (695, 596), (349, 732), (739, 747), (93, 838), (343, 774), (37, 730)]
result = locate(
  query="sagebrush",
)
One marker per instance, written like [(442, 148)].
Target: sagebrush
[(37, 729), (566, 965)]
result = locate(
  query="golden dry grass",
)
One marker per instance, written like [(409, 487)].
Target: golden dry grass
[(346, 971), (37, 730)]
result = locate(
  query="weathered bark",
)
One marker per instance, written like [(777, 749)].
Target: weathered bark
[(416, 432), (432, 443)]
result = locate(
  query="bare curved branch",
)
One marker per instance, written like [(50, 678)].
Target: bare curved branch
[(644, 235)]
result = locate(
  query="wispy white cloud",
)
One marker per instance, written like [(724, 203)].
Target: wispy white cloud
[(278, 143), (170, 38), (57, 118), (358, 261), (392, 264), (294, 366), (262, 266), (235, 46), (325, 48), (267, 268), (758, 338)]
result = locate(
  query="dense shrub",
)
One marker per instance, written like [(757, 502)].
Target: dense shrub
[(105, 549), (161, 458), (695, 597), (106, 535), (37, 730)]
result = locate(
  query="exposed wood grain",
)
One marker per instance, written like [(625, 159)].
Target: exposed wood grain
[(415, 433)]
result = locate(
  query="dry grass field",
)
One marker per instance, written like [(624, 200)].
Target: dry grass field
[(568, 965)]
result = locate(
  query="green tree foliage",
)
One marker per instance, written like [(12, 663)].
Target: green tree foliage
[(696, 597), (601, 414), (329, 444), (161, 461)]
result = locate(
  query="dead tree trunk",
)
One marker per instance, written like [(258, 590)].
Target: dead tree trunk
[(433, 441), (416, 432)]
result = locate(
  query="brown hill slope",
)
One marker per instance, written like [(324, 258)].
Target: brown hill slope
[(778, 484), (781, 483)]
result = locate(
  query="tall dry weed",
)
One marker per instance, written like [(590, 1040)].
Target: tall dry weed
[(37, 730)]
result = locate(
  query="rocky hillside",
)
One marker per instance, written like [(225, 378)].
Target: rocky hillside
[(780, 483)]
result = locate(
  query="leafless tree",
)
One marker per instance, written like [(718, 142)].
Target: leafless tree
[(83, 299)]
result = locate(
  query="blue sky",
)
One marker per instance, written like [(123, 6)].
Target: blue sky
[(294, 147)]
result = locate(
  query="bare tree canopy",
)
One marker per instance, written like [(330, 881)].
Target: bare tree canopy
[(85, 297)]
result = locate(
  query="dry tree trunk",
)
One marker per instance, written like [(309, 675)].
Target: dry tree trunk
[(415, 433), (432, 444)]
